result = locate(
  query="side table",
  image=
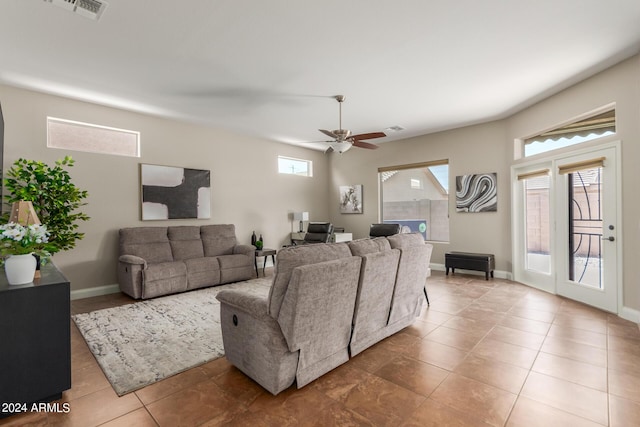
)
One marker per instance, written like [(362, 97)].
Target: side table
[(265, 252)]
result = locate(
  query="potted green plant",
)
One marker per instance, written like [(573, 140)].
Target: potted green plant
[(18, 243), (55, 198)]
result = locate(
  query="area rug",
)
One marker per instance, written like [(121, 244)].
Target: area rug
[(141, 343)]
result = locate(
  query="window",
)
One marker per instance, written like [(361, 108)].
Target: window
[(417, 196), (78, 136), (291, 166), (588, 129)]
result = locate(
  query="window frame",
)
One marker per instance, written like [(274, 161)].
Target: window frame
[(309, 164)]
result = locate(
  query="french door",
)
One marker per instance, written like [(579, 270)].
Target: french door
[(566, 226)]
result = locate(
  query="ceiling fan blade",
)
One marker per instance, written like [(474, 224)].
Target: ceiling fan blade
[(329, 133), (328, 150), (363, 144), (370, 135)]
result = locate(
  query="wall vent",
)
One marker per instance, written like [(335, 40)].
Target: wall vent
[(91, 9)]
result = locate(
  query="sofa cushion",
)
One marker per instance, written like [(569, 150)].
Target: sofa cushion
[(362, 247), (410, 281), (236, 267), (375, 291), (164, 278), (185, 242), (295, 256), (406, 239), (218, 239), (234, 261), (202, 272), (149, 243), (316, 315)]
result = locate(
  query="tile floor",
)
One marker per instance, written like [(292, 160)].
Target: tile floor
[(486, 353)]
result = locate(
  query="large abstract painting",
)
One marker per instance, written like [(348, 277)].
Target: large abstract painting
[(477, 193), (175, 193), (351, 199)]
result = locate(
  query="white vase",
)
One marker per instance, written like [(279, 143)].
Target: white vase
[(20, 269)]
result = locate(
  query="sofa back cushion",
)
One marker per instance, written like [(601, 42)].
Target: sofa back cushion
[(218, 239), (150, 243), (405, 240), (295, 256), (362, 247), (375, 292), (185, 242), (316, 315), (412, 274)]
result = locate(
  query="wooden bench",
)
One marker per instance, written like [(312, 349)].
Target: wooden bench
[(470, 261)]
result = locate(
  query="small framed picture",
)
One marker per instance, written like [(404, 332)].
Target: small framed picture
[(351, 199)]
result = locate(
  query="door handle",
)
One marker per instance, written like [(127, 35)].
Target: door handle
[(610, 238)]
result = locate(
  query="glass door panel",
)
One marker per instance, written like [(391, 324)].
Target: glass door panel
[(585, 227), (537, 224)]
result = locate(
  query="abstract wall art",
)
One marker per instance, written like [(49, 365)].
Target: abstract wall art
[(174, 193), (351, 199), (477, 193)]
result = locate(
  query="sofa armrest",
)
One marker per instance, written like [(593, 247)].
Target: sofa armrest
[(130, 278), (251, 304), (132, 259), (248, 250), (253, 341)]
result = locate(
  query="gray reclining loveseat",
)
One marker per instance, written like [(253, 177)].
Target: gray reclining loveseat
[(157, 261), (327, 303)]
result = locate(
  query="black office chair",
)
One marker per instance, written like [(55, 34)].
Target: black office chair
[(383, 230), (317, 232)]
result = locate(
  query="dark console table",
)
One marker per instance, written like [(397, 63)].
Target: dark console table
[(470, 261), (35, 354)]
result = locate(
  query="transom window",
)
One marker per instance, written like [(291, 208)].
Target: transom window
[(78, 136), (292, 166), (577, 132)]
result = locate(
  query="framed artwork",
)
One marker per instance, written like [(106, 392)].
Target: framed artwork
[(477, 193), (351, 199), (174, 193)]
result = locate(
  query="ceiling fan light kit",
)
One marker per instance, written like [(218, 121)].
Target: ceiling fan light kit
[(343, 140)]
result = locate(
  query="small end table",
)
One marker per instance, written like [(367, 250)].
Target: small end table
[(264, 252)]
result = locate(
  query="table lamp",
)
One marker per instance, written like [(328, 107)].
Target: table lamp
[(301, 216)]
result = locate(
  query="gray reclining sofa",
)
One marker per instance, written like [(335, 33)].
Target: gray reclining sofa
[(327, 302), (157, 261)]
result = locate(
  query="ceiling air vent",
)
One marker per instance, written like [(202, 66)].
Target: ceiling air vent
[(91, 9)]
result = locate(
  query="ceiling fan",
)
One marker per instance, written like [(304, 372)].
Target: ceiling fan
[(342, 138)]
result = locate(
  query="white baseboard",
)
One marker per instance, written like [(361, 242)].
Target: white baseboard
[(630, 314), (94, 292), (499, 274)]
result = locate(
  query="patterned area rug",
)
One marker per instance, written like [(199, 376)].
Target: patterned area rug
[(141, 343)]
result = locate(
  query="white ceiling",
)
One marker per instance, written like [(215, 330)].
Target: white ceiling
[(271, 68)]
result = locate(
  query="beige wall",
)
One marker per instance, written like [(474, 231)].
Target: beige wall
[(490, 148), (477, 232), (246, 189)]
